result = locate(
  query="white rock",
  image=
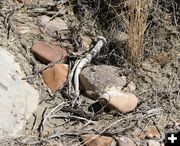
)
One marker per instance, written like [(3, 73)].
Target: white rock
[(17, 98)]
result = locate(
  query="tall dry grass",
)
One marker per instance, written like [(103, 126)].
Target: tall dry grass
[(137, 12)]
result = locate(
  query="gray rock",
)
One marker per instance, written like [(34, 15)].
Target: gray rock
[(17, 98), (146, 66), (101, 78), (52, 27)]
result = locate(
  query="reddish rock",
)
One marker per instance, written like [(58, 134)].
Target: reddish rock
[(152, 132), (52, 27), (56, 76), (48, 53), (123, 102), (97, 140), (149, 132)]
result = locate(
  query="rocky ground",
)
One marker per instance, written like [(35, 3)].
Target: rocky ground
[(145, 98)]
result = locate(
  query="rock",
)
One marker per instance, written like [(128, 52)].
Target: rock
[(152, 132), (25, 1), (123, 102), (124, 141), (52, 27), (121, 36), (149, 132), (146, 66), (97, 140), (177, 123), (56, 76), (48, 53), (97, 79), (153, 143), (18, 100), (86, 42), (104, 82)]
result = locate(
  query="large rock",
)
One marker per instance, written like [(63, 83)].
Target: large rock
[(105, 83), (18, 99), (99, 79)]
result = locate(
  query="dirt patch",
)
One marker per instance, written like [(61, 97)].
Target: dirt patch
[(156, 78)]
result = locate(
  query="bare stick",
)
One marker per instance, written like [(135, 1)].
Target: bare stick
[(54, 109), (72, 117), (85, 61), (70, 76)]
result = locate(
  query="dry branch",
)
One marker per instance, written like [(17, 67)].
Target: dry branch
[(84, 62)]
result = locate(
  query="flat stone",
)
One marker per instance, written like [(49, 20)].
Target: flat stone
[(97, 140), (56, 76), (125, 141), (52, 27), (146, 66), (48, 53), (123, 102), (152, 132), (98, 79), (18, 100)]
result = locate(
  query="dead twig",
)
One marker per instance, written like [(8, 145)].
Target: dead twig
[(72, 118), (84, 62), (44, 68), (53, 110), (40, 127), (70, 77), (63, 134)]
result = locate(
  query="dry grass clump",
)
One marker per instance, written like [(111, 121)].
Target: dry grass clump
[(137, 13)]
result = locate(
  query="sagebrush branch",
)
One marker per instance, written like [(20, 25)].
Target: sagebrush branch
[(97, 48)]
